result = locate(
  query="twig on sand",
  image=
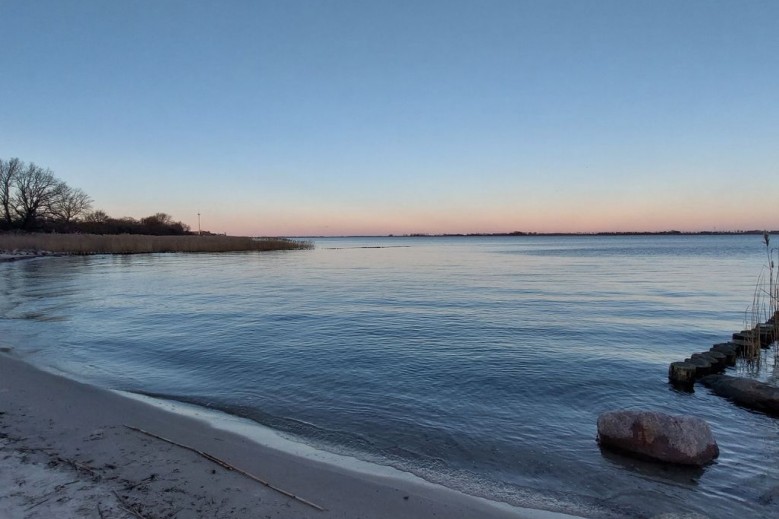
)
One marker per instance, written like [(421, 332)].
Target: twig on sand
[(78, 466), (49, 495), (228, 466), (127, 507), (144, 480)]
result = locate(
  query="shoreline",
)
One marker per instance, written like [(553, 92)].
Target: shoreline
[(19, 256), (88, 244), (65, 449)]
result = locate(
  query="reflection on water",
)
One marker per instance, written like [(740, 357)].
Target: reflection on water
[(481, 363)]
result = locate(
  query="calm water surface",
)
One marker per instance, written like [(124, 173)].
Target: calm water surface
[(478, 363)]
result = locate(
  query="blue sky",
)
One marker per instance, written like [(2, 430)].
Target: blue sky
[(366, 117)]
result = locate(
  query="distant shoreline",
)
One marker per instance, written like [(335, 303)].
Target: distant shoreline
[(543, 234)]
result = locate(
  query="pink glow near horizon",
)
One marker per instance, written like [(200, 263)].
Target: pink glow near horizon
[(296, 118), (570, 220)]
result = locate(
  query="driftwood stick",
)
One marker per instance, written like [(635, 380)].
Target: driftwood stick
[(137, 483), (40, 502), (78, 466), (228, 466), (49, 495), (127, 507)]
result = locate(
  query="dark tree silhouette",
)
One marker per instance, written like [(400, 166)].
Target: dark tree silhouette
[(32, 198), (71, 204), (9, 169), (37, 190)]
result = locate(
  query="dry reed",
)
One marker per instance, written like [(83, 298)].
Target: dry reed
[(140, 244), (771, 292), (764, 308), (752, 319)]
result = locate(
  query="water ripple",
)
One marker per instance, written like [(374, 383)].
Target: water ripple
[(481, 364)]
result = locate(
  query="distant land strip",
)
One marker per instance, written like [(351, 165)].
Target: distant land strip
[(521, 233)]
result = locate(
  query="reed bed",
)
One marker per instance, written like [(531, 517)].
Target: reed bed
[(771, 290), (85, 244), (764, 310), (753, 317), (773, 285)]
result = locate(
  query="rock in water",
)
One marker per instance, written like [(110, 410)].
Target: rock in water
[(683, 440), (682, 373), (745, 392)]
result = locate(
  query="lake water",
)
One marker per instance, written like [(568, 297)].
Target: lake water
[(478, 363)]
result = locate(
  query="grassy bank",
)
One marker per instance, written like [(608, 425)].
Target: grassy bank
[(139, 244)]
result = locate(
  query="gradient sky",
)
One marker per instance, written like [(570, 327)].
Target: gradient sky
[(375, 117)]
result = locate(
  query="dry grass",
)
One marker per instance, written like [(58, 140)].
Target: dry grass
[(772, 290), (752, 319), (773, 304), (140, 244), (764, 308)]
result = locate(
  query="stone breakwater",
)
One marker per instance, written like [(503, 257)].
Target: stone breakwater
[(687, 440), (719, 356), (745, 392)]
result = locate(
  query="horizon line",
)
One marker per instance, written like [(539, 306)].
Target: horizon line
[(532, 234)]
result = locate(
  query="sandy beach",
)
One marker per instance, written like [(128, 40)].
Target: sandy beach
[(66, 451)]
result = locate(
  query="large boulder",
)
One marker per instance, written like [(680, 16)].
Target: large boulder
[(683, 440), (745, 392)]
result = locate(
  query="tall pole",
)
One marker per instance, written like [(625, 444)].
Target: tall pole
[(198, 223)]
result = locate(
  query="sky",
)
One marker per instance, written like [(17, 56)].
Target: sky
[(308, 118)]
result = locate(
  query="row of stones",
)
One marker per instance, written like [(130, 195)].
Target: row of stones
[(721, 355)]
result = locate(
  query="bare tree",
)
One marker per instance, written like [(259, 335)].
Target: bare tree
[(98, 216), (69, 204), (163, 223), (9, 169), (36, 191), (157, 220), (32, 198)]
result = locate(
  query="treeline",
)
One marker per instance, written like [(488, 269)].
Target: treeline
[(159, 224), (32, 199)]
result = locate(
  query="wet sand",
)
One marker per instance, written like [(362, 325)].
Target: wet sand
[(66, 451)]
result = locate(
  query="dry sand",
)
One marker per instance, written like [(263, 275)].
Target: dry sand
[(65, 452)]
